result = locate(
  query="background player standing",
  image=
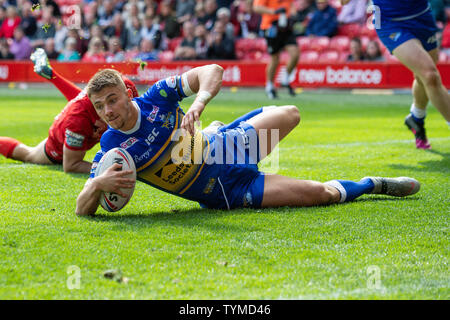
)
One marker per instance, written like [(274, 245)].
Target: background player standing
[(277, 28), (407, 28)]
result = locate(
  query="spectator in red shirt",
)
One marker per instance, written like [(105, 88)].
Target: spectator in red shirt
[(96, 52), (10, 23)]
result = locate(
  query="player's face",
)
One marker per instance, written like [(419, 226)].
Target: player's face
[(113, 105)]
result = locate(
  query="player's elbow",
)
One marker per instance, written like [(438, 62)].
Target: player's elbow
[(218, 70)]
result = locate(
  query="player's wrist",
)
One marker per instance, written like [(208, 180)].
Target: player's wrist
[(203, 97)]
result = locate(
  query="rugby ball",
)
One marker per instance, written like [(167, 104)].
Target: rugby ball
[(108, 200)]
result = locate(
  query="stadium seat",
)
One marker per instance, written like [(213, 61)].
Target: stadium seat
[(304, 43), (309, 56), (166, 56), (364, 42), (351, 30), (339, 43), (371, 33), (446, 37), (343, 56), (329, 56), (319, 43), (172, 44)]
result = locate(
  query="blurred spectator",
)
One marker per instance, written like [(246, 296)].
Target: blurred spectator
[(28, 22), (304, 13), (5, 54), (69, 53), (97, 32), (20, 45), (132, 9), (246, 21), (438, 10), (150, 4), (201, 43), (223, 15), (373, 52), (2, 15), (323, 21), (60, 36), (220, 46), (185, 10), (210, 14), (10, 23), (224, 3), (147, 51), (353, 12), (52, 6), (186, 49), (105, 17), (96, 51), (168, 20), (151, 31), (119, 29), (356, 51), (46, 28), (49, 48), (133, 35), (81, 43), (115, 52)]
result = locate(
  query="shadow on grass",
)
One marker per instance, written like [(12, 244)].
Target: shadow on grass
[(431, 165)]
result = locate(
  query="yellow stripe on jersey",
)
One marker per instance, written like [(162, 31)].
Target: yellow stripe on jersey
[(177, 164)]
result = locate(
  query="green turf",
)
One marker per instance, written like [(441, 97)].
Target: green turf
[(169, 248)]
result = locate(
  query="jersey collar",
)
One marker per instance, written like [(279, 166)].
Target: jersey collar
[(138, 122)]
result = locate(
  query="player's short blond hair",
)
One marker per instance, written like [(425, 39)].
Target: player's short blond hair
[(103, 79)]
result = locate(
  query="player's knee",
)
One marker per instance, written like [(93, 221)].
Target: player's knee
[(324, 194), (431, 77), (293, 115)]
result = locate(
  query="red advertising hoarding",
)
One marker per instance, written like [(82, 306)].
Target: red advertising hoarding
[(236, 73)]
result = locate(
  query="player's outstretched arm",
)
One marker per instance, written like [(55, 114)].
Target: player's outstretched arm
[(206, 82), (111, 180), (73, 161)]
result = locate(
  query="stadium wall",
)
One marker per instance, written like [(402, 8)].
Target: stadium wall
[(237, 73)]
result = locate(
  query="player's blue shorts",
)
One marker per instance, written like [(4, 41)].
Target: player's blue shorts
[(234, 182), (394, 33)]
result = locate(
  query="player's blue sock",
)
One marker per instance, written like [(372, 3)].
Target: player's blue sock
[(418, 120), (351, 190), (418, 114), (238, 121)]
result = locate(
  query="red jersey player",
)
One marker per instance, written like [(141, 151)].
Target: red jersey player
[(74, 131)]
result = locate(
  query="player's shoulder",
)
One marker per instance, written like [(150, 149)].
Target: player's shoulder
[(110, 139)]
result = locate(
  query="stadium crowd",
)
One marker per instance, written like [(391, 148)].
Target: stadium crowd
[(150, 30)]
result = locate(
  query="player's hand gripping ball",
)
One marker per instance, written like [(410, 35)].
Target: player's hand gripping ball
[(108, 200)]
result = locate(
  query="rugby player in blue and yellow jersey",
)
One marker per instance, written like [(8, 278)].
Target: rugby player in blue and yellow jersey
[(218, 169), (407, 28)]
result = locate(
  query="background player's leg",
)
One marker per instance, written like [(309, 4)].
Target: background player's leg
[(291, 64), (43, 68), (284, 191), (270, 75), (414, 57), (280, 121), (65, 86), (31, 154)]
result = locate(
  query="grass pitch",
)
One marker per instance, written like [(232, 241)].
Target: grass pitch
[(168, 248)]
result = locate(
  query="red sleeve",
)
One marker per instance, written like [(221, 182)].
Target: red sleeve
[(78, 132)]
